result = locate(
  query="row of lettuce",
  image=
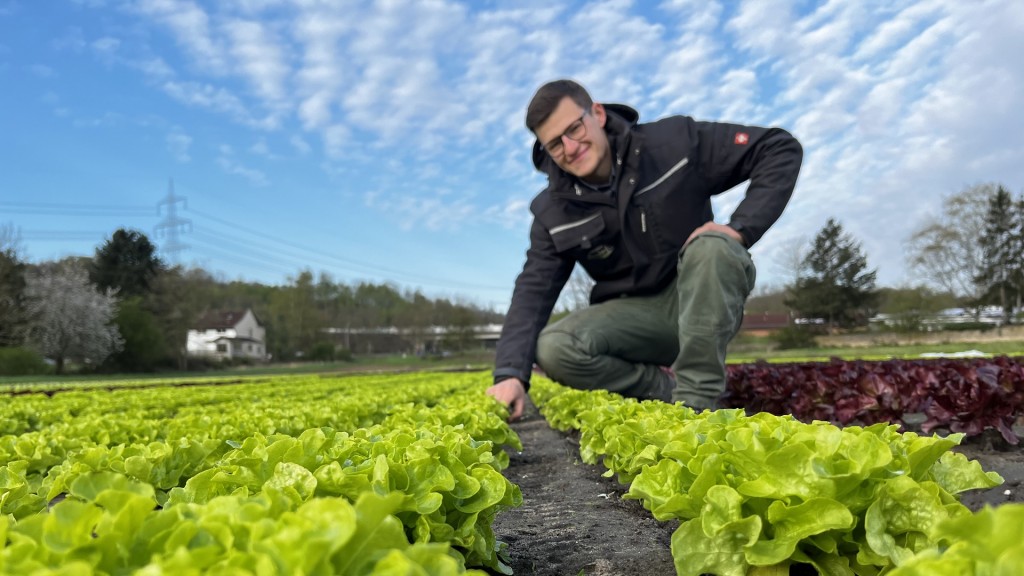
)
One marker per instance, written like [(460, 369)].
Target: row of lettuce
[(957, 395), (402, 475), (757, 494), (295, 475)]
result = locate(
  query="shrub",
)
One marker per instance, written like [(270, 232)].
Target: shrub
[(326, 352), (967, 326), (22, 362), (792, 337)]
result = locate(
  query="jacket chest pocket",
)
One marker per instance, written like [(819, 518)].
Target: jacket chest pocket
[(579, 234)]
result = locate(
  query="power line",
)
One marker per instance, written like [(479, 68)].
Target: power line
[(233, 258), (59, 235), (229, 247), (264, 256), (261, 249), (373, 269), (44, 208), (239, 248)]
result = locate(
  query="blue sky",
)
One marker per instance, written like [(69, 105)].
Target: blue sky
[(384, 141)]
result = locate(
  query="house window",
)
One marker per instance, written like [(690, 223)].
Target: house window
[(222, 347)]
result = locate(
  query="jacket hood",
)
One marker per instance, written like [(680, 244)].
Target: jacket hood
[(620, 119)]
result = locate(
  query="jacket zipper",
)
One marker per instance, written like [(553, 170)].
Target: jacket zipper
[(679, 165), (571, 225), (643, 213)]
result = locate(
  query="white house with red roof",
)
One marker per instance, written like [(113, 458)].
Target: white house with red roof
[(229, 335)]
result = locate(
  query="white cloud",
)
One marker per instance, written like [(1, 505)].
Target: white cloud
[(401, 89), (261, 148), (894, 32), (106, 119), (337, 141), (686, 77), (154, 68), (191, 27), (764, 29), (632, 38), (323, 72), (217, 99), (396, 97), (300, 145), (410, 211), (513, 213), (73, 40), (106, 49), (42, 71), (178, 143), (226, 160), (106, 45), (256, 6), (694, 15), (261, 57)]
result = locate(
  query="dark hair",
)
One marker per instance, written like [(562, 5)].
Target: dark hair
[(549, 96)]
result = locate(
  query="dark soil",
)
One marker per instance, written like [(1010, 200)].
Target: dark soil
[(574, 521)]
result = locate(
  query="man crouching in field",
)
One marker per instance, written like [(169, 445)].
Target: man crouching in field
[(631, 203)]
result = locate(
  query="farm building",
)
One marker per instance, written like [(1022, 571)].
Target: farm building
[(764, 323), (228, 335)]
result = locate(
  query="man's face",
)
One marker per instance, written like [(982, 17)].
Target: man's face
[(589, 156)]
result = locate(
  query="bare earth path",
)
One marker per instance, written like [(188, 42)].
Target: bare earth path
[(573, 521)]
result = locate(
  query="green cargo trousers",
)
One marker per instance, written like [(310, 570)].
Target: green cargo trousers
[(622, 344)]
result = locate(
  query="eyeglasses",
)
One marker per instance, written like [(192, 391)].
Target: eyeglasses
[(576, 131)]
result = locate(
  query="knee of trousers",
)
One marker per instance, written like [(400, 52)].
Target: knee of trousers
[(708, 248), (558, 353), (720, 254)]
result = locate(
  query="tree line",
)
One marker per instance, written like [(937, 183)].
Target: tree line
[(126, 310), (971, 255)]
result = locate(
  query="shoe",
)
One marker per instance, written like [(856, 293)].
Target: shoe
[(668, 384)]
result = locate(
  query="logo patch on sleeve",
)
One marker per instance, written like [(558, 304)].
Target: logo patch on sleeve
[(601, 252), (741, 138)]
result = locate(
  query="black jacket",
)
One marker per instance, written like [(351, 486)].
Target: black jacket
[(666, 173)]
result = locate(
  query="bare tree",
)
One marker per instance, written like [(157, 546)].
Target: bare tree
[(69, 319), (10, 237), (945, 251), (576, 292), (791, 262)]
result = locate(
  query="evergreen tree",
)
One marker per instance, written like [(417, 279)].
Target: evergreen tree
[(834, 283), (998, 277), (13, 320), (127, 263), (1017, 269)]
